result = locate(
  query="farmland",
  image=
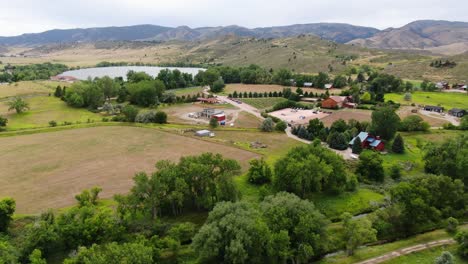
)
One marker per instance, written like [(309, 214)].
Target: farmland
[(45, 170), (261, 88), (348, 114), (263, 103), (28, 88), (447, 100)]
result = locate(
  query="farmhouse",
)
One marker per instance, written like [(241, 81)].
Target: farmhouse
[(211, 100), (432, 108), (369, 142), (334, 102), (457, 112)]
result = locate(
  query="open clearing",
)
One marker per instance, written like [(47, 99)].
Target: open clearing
[(347, 114), (44, 109), (447, 100), (47, 170), (29, 88), (300, 117), (263, 103)]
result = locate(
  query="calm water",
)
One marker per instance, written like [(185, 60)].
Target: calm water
[(121, 71)]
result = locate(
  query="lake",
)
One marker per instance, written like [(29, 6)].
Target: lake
[(121, 71)]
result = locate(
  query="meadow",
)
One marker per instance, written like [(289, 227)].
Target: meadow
[(447, 100), (263, 103), (427, 256), (46, 170), (28, 88)]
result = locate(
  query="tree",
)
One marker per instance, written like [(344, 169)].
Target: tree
[(315, 127), (233, 233), (146, 93), (259, 172), (408, 97), (370, 166), (3, 123), (7, 208), (214, 122), (445, 258), (36, 257), (357, 232), (58, 92), (366, 97), (160, 117), (452, 225), (385, 122), (413, 123), (218, 86), (281, 126), (108, 86), (130, 112), (88, 197), (337, 141), (310, 169), (267, 125), (462, 239), (339, 126), (340, 81), (18, 104), (8, 253), (303, 225), (398, 145), (357, 146), (395, 172)]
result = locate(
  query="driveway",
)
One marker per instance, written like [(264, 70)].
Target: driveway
[(451, 119)]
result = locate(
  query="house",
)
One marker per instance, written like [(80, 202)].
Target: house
[(328, 86), (204, 133), (369, 142), (308, 84), (59, 78), (211, 100), (442, 85), (221, 118), (334, 102), (432, 108), (457, 112)]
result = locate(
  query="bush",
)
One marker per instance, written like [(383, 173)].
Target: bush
[(281, 126), (152, 116), (3, 123), (267, 125), (214, 123), (259, 172), (395, 172), (130, 112), (452, 225), (53, 123), (462, 239), (414, 123), (337, 141), (398, 145)]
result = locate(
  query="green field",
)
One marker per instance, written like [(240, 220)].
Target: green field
[(44, 109), (427, 256), (447, 100), (187, 91), (263, 103)]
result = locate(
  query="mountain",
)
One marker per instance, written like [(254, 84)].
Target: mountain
[(340, 33), (438, 36)]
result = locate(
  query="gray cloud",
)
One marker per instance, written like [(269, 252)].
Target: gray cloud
[(25, 16)]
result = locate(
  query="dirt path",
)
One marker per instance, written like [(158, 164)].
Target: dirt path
[(408, 250)]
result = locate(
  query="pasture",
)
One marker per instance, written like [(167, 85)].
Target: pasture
[(44, 109), (447, 100), (263, 103), (28, 88), (46, 170)]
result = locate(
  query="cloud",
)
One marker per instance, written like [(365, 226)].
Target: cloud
[(24, 16)]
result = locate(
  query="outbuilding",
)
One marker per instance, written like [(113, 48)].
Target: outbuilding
[(432, 108), (457, 112), (204, 133)]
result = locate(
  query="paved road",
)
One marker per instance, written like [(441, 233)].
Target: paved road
[(408, 250)]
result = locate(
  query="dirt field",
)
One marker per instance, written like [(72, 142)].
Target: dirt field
[(47, 170), (405, 111), (261, 88), (179, 113), (297, 116), (347, 114)]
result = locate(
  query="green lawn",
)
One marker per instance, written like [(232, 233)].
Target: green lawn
[(360, 201), (263, 103), (447, 100), (44, 109), (364, 253), (427, 256), (187, 91)]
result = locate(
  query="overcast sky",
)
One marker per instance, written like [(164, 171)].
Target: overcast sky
[(30, 16)]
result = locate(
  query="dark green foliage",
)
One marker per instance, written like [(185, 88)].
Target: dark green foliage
[(448, 158), (218, 86), (214, 122), (175, 79), (157, 117), (8, 253), (462, 240), (395, 172), (259, 172), (357, 146), (3, 123), (267, 125), (146, 93), (58, 92), (452, 225), (196, 182), (32, 72), (84, 94), (36, 257), (130, 112), (337, 141), (340, 81), (398, 145), (310, 169), (7, 208), (385, 122), (182, 232), (281, 126), (136, 77), (88, 197), (413, 123), (370, 166), (282, 77), (339, 126), (298, 229), (357, 232)]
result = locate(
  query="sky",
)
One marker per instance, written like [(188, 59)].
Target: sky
[(32, 16)]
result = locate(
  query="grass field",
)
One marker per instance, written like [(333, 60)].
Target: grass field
[(427, 256), (44, 109), (364, 253), (263, 103), (447, 100), (187, 91), (261, 88), (29, 88), (46, 170), (247, 120), (360, 201)]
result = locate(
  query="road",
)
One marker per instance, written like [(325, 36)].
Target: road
[(408, 250), (451, 119)]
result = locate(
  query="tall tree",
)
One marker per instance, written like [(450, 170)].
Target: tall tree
[(18, 104), (357, 232), (370, 166), (7, 208), (385, 122), (398, 145), (357, 146)]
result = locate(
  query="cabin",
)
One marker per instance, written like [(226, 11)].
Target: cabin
[(369, 142), (431, 108), (334, 102), (457, 112)]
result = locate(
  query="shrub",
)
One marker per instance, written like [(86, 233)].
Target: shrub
[(267, 125), (53, 123), (398, 145), (3, 123), (281, 126), (130, 112), (395, 172), (259, 172), (214, 123), (452, 225), (152, 116), (462, 239)]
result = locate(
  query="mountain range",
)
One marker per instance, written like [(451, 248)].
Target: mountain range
[(443, 37)]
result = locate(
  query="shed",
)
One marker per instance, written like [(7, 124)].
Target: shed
[(432, 108), (457, 112), (204, 133)]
